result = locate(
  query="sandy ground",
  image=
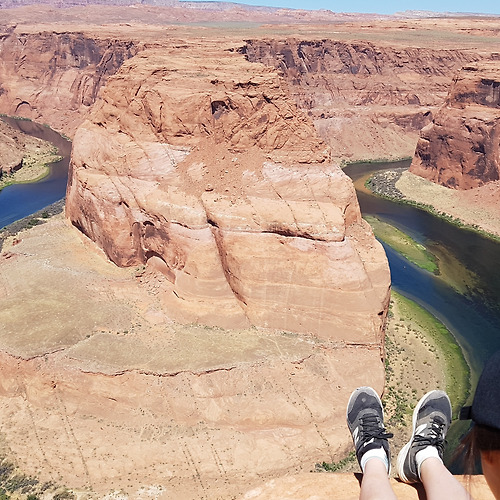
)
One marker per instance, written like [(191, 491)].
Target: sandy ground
[(474, 207)]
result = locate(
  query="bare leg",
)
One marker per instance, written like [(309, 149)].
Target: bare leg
[(375, 484), (439, 483)]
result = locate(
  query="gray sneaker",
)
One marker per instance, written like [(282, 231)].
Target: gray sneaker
[(365, 418), (431, 420)]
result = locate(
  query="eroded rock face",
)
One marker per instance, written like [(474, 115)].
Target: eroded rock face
[(200, 167), (367, 100), (16, 147), (461, 147), (55, 77)]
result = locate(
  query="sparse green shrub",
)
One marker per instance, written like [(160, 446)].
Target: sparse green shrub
[(336, 466), (32, 223)]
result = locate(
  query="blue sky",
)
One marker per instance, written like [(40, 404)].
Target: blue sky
[(385, 6)]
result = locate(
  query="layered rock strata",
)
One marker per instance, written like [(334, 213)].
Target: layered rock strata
[(461, 147), (367, 100), (11, 151), (197, 174), (202, 169), (55, 77)]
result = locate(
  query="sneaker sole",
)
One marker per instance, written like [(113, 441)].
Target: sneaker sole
[(406, 448)]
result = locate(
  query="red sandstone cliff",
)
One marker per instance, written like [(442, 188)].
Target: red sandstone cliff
[(461, 147), (363, 99), (11, 150), (55, 77), (366, 100), (197, 169), (201, 168), (18, 149)]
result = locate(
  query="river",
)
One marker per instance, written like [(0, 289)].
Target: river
[(20, 200), (471, 313)]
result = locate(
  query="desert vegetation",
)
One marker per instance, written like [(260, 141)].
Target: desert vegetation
[(404, 244)]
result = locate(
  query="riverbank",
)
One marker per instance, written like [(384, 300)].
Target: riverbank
[(476, 209), (403, 244), (35, 219), (35, 165)]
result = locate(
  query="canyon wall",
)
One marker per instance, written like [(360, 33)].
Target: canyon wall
[(461, 147), (53, 77), (366, 100), (202, 169), (18, 150)]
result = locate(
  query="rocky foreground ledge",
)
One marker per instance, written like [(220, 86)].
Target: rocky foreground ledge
[(347, 487), (246, 415), (101, 389)]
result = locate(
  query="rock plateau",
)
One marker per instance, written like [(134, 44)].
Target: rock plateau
[(102, 392), (204, 170)]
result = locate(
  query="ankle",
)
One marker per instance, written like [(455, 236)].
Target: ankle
[(378, 454), (429, 456)]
